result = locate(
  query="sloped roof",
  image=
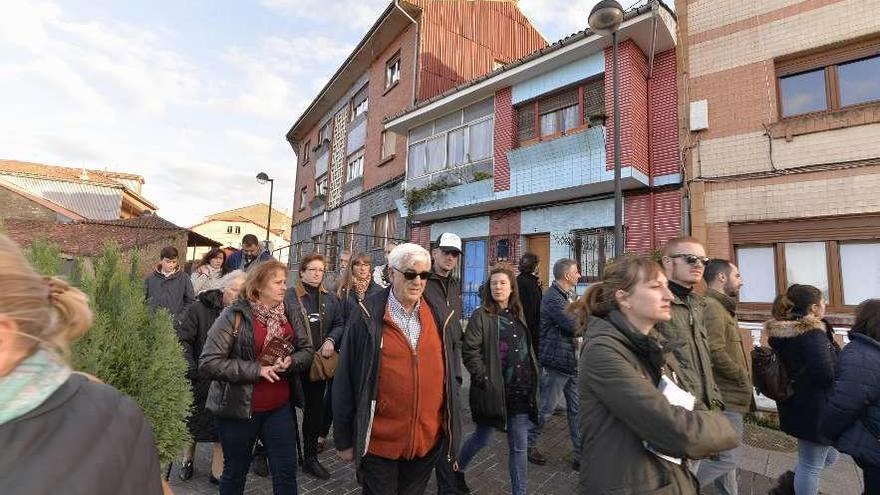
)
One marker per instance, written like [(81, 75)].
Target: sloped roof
[(41, 170), (42, 201)]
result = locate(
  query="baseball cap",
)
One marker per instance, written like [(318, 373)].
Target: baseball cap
[(449, 241)]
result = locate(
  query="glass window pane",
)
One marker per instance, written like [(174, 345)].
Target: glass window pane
[(548, 124), (803, 93), (436, 153), (860, 271), (757, 265), (859, 81), (456, 147), (480, 145), (417, 166), (569, 117), (805, 263)]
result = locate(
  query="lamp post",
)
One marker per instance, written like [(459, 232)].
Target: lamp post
[(604, 19), (262, 178)]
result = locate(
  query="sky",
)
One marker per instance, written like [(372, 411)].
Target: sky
[(195, 96)]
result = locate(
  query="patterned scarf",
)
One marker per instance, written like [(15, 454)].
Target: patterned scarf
[(273, 318), (360, 286), (30, 384)]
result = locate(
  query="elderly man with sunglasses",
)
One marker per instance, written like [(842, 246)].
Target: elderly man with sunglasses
[(684, 260), (396, 406)]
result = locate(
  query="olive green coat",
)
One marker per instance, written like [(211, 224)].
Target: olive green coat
[(730, 363)]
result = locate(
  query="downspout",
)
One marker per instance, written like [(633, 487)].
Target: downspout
[(415, 51), (652, 217), (654, 7)]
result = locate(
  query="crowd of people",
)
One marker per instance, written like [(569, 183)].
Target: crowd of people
[(649, 362)]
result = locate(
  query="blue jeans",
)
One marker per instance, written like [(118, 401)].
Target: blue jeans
[(554, 383), (722, 471), (277, 430), (812, 458), (517, 444)]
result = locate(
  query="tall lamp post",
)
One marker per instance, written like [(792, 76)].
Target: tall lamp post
[(604, 19), (262, 178)]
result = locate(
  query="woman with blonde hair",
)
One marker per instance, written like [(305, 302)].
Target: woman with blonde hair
[(51, 417), (357, 283)]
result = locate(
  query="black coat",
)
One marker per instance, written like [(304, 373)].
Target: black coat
[(174, 293), (350, 301), (852, 418), (86, 438), (809, 355), (530, 296), (558, 331), (192, 332), (446, 289), (482, 358), (331, 310), (231, 361)]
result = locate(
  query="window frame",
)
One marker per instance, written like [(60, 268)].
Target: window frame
[(229, 229), (390, 81), (363, 105), (238, 229), (303, 194), (321, 186), (357, 156), (389, 227), (533, 107), (465, 128), (349, 233), (306, 150), (384, 145), (827, 59)]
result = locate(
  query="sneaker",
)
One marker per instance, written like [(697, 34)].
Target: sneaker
[(536, 457), (314, 468)]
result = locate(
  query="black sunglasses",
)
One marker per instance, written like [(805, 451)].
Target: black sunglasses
[(453, 252), (691, 259), (413, 275)]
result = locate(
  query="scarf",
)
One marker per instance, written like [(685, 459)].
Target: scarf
[(679, 290), (361, 286), (30, 384), (273, 318)]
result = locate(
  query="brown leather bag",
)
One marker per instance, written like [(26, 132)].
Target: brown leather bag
[(323, 368)]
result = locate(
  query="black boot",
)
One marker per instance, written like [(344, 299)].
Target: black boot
[(260, 465), (461, 484), (784, 484), (536, 457), (186, 470), (313, 467)]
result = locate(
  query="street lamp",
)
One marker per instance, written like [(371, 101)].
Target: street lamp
[(262, 178), (604, 19)]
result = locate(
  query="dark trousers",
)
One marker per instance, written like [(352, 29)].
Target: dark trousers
[(313, 411), (327, 411), (871, 476), (380, 476), (276, 429), (446, 483)]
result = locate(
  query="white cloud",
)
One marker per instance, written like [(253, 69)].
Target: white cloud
[(352, 15)]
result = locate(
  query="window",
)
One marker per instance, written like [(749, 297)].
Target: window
[(306, 151), (302, 197), (238, 230), (321, 186), (838, 255), (349, 235), (480, 139), (456, 147), (830, 80), (384, 228), (229, 229), (324, 135), (359, 104), (355, 166), (389, 141), (392, 71), (562, 112)]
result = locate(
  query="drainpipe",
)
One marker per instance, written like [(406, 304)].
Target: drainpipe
[(654, 7), (415, 51)]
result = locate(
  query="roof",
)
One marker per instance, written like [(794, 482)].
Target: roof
[(338, 78), (72, 215), (87, 238), (256, 214), (554, 47), (78, 189)]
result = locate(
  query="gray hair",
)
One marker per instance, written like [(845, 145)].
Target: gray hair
[(406, 254), (561, 267), (229, 278)]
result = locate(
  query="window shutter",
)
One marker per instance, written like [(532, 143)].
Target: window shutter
[(525, 122), (558, 101), (594, 98)]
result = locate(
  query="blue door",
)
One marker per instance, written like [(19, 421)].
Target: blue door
[(474, 274)]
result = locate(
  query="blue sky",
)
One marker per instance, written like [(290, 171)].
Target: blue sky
[(196, 96)]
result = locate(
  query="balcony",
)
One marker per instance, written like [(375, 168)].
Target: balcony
[(566, 168)]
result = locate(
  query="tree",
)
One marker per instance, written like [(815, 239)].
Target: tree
[(129, 347)]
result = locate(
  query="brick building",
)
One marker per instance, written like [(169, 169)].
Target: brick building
[(521, 159), (780, 127), (349, 171)]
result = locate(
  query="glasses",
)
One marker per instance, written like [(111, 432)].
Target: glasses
[(450, 252), (692, 259), (315, 270), (413, 275)]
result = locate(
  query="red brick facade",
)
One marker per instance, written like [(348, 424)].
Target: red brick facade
[(651, 219), (421, 235), (664, 116), (504, 138), (632, 77), (504, 225)]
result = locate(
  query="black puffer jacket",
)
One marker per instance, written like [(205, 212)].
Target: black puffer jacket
[(530, 296), (852, 418), (558, 331), (87, 438), (482, 358), (232, 361), (192, 333), (807, 351)]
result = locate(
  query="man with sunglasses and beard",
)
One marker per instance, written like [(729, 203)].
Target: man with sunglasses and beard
[(445, 289), (396, 405), (684, 260)]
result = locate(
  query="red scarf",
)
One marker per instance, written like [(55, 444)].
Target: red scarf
[(273, 318)]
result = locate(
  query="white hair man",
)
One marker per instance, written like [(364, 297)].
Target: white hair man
[(396, 390)]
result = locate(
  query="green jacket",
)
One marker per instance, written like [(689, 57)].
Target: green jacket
[(730, 363), (689, 341), (622, 408)]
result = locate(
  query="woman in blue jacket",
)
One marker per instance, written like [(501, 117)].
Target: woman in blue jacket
[(852, 417), (805, 346)]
